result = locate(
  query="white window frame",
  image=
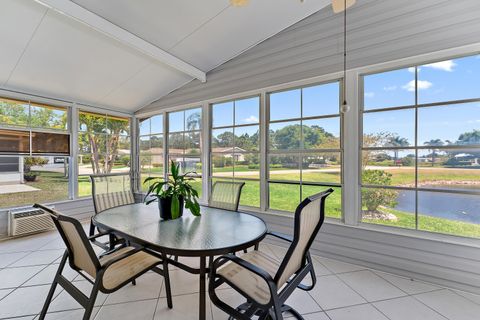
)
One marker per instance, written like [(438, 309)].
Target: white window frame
[(351, 202)]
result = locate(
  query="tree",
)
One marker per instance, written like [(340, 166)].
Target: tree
[(289, 137), (469, 138), (224, 139), (194, 122), (372, 198), (434, 143), (13, 113), (98, 138), (373, 140), (396, 141)]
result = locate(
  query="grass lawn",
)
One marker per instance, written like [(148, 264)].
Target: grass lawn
[(53, 187), (427, 175), (427, 223)]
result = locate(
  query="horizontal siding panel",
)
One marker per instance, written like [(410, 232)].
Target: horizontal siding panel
[(379, 31), (375, 250)]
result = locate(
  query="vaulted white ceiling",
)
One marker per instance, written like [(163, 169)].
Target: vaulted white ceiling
[(48, 53)]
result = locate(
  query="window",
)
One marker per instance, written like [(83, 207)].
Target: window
[(304, 146), (28, 128), (151, 148), (32, 136), (103, 147), (185, 143), (235, 146), (421, 147)]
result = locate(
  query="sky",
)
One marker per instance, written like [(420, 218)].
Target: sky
[(448, 80), (442, 81)]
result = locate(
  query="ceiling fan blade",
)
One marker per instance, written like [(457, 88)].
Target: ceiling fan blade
[(239, 3), (339, 5)]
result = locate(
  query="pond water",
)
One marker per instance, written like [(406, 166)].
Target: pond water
[(460, 207)]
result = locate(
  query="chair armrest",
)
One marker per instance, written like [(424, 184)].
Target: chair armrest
[(120, 257), (247, 265), (279, 235), (95, 236)]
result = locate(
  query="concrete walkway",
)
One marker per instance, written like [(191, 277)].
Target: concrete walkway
[(14, 188)]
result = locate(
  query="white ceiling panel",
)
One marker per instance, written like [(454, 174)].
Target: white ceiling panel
[(67, 59), (18, 20), (146, 86), (239, 28), (162, 23), (49, 53)]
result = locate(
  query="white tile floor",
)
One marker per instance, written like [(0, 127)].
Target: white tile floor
[(343, 291)]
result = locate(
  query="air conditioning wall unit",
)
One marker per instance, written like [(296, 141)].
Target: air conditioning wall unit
[(28, 220)]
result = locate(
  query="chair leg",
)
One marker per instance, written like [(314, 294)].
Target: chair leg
[(91, 302), (92, 229), (245, 251), (166, 277), (256, 247), (296, 315), (53, 287)]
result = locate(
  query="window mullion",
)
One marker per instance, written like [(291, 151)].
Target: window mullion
[(263, 151), (351, 165)]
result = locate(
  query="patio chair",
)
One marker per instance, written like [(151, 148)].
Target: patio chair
[(109, 191), (226, 195), (108, 273), (265, 281)]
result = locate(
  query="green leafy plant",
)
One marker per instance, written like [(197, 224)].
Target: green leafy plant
[(372, 197), (176, 187)]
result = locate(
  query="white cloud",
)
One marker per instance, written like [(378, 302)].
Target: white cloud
[(390, 88), (422, 85), (411, 69), (369, 94), (251, 119), (446, 65), (474, 121)]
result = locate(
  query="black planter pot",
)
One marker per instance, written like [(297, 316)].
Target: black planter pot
[(165, 207), (30, 177)]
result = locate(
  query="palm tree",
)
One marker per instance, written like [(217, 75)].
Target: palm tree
[(397, 141), (433, 143)]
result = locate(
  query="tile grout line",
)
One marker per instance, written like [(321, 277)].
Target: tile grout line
[(429, 307), (455, 292), (409, 295)]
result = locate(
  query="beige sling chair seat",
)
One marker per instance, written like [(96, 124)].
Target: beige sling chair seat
[(110, 191), (226, 195), (264, 281), (108, 273)]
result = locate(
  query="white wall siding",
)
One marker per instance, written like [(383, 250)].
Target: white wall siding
[(452, 265), (379, 31)]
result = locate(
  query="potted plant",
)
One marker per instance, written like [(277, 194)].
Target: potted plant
[(173, 194), (28, 163)]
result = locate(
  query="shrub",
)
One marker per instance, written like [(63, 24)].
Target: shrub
[(125, 160), (372, 198), (407, 161), (86, 159), (29, 162)]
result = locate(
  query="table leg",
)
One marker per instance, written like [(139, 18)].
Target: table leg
[(202, 301)]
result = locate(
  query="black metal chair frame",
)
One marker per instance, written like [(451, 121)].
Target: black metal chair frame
[(112, 239), (276, 306), (89, 302)]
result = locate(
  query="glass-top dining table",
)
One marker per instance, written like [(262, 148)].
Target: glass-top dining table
[(215, 232)]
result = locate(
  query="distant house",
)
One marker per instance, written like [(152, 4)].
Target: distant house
[(231, 152)]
